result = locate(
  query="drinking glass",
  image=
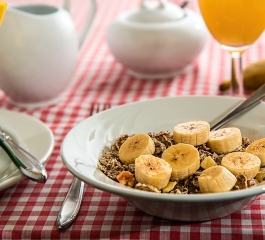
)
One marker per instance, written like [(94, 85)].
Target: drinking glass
[(235, 24)]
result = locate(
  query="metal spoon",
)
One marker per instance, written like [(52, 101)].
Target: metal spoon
[(28, 165), (249, 103)]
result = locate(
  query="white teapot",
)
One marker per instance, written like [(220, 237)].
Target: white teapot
[(39, 47), (157, 40)]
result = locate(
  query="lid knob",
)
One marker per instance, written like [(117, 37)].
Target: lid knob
[(157, 12)]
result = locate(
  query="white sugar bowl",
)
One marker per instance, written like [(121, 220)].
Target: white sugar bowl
[(157, 40)]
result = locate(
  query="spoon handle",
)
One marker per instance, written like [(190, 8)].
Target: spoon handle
[(71, 204), (250, 102), (28, 165)]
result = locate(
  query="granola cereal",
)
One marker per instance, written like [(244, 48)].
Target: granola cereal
[(126, 178), (112, 167), (147, 188)]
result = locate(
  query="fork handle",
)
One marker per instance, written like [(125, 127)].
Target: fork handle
[(71, 205)]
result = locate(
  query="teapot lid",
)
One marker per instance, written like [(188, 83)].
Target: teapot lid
[(157, 12)]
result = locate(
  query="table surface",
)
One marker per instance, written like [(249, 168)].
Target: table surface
[(28, 210)]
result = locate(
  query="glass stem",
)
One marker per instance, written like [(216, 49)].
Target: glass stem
[(237, 88)]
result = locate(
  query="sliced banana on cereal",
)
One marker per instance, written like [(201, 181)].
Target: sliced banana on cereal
[(134, 146), (225, 140), (242, 163), (192, 132), (258, 149), (170, 186), (261, 175), (216, 179), (184, 160), (208, 162), (152, 171)]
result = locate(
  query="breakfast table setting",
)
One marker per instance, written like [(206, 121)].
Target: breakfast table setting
[(76, 75)]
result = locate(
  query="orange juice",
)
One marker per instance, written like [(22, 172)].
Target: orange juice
[(3, 6), (234, 23)]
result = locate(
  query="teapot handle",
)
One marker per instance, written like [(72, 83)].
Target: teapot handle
[(89, 20)]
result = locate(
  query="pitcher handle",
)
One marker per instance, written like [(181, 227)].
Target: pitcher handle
[(89, 20)]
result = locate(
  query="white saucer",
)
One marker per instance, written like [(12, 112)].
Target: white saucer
[(30, 133)]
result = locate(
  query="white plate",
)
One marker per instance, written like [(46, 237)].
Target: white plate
[(83, 146), (31, 134)]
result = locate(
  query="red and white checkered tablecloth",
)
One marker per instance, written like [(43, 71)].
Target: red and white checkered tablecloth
[(28, 210)]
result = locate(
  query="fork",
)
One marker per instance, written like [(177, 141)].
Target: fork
[(72, 202)]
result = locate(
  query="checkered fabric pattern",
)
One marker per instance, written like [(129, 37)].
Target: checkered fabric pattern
[(28, 210)]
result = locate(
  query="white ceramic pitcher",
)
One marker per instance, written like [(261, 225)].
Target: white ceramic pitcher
[(38, 51)]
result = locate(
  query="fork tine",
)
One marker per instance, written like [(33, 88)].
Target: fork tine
[(91, 109), (102, 108), (98, 108), (106, 106)]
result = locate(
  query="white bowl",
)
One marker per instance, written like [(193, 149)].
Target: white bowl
[(83, 146)]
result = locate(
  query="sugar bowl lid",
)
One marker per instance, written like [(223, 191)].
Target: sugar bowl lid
[(157, 12)]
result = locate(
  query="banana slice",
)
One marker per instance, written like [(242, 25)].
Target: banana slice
[(184, 160), (170, 186), (151, 170), (134, 146), (258, 149), (261, 175), (208, 162), (242, 163), (225, 140), (193, 132), (216, 179)]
